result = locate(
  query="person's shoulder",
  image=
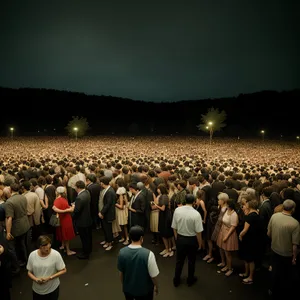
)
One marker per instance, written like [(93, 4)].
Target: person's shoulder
[(55, 253), (33, 254)]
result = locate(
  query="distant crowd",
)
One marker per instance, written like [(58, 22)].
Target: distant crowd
[(233, 182)]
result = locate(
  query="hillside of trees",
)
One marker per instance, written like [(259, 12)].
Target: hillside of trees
[(42, 110)]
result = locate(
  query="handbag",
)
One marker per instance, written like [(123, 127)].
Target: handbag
[(54, 220)]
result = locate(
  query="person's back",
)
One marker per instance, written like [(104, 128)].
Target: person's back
[(133, 261), (138, 268)]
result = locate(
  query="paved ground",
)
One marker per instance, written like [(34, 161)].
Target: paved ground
[(98, 279)]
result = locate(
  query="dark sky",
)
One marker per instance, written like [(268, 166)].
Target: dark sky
[(151, 50)]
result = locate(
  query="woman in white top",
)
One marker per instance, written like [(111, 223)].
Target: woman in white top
[(45, 266)]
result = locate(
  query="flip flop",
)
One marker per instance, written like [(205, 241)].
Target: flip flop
[(247, 281), (210, 260)]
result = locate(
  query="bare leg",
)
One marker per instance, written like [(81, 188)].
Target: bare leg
[(69, 252)]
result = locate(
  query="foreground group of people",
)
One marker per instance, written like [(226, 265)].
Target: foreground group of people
[(191, 200)]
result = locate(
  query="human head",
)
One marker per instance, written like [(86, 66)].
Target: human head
[(289, 205), (44, 244), (136, 233), (189, 199), (222, 198)]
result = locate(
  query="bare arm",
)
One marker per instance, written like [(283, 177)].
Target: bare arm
[(60, 211), (175, 233), (294, 254), (231, 230), (199, 239), (245, 230), (121, 205), (204, 210), (155, 282)]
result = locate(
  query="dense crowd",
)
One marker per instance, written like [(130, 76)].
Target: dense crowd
[(124, 181)]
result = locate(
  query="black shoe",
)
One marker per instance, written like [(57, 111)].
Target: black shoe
[(190, 282), (176, 282)]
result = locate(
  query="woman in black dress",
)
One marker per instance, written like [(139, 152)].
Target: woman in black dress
[(251, 238), (165, 219)]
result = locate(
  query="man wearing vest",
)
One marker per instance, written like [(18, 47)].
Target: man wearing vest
[(138, 268)]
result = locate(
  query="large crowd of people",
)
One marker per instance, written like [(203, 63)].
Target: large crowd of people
[(246, 192)]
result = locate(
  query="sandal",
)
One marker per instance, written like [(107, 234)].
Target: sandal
[(229, 272), (206, 257), (220, 265), (210, 260), (243, 275), (225, 269), (247, 281)]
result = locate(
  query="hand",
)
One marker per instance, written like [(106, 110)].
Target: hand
[(294, 260), (1, 249), (39, 280), (240, 238), (155, 290), (9, 236), (100, 215)]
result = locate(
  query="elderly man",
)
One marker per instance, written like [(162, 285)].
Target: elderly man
[(284, 232)]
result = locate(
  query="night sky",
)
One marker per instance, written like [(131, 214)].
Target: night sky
[(151, 50)]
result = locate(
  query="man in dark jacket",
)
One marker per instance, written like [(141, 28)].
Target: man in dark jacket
[(83, 219), (107, 210)]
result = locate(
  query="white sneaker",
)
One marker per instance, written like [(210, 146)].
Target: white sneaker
[(171, 253), (126, 243), (121, 240), (105, 245), (108, 248), (102, 243)]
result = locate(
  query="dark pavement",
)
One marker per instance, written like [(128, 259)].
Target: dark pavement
[(98, 278)]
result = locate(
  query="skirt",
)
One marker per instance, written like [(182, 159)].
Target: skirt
[(154, 218), (231, 244)]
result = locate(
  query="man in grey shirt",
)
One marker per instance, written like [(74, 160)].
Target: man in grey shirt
[(284, 232)]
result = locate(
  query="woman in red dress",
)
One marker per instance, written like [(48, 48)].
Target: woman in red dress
[(65, 232)]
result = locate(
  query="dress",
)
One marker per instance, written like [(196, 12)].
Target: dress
[(251, 242), (229, 219), (122, 214), (65, 232), (165, 218)]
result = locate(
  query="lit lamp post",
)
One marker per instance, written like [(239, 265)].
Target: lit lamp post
[(76, 130), (210, 126), (263, 135), (12, 132)]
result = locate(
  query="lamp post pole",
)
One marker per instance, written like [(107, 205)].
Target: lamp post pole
[(263, 135), (75, 129), (12, 132), (210, 125)]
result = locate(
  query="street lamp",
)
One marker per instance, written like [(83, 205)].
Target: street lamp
[(210, 126), (12, 132), (76, 130), (263, 134)]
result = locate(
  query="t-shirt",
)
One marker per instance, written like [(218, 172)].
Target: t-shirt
[(43, 267)]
